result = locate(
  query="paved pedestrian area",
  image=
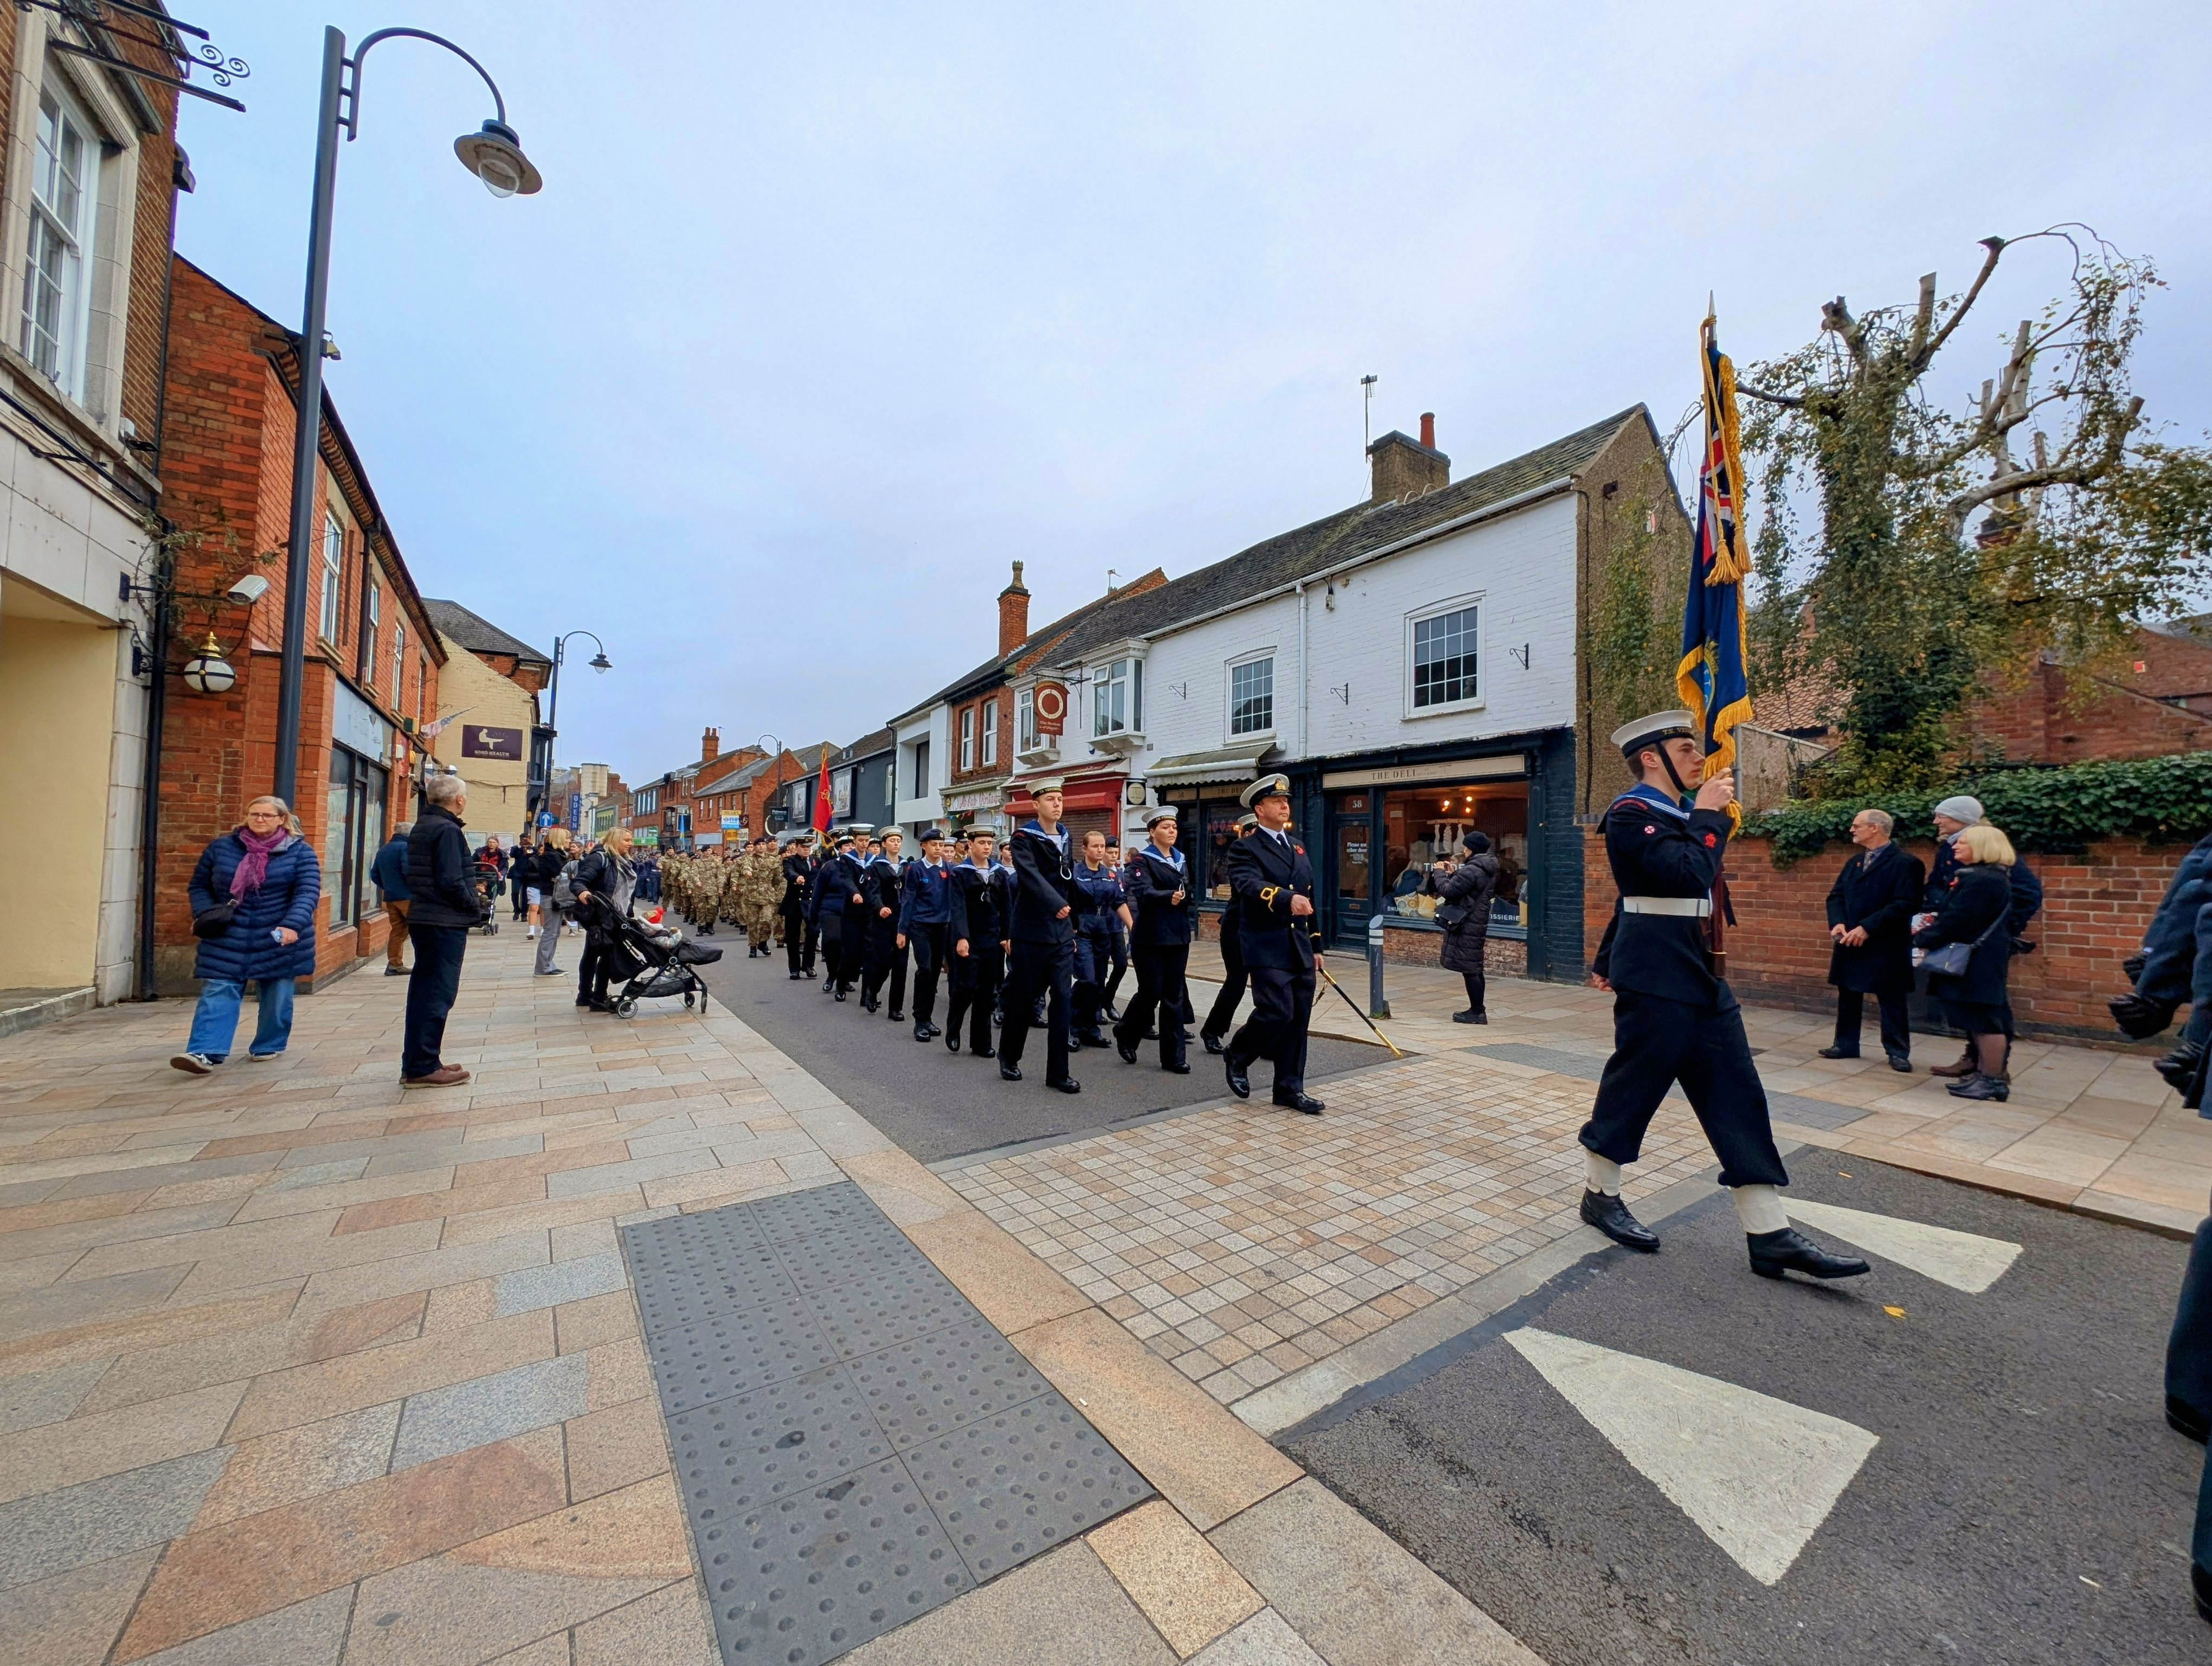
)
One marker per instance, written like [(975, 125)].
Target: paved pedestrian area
[(2091, 1128), (296, 1368)]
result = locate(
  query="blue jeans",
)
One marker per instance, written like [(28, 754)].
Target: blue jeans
[(215, 1020), (430, 991)]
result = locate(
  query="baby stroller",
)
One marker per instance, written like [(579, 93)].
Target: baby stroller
[(654, 960), (488, 886)]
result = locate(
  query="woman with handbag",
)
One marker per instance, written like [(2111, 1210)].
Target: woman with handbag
[(1969, 957), (253, 896), (1466, 887), (605, 883)]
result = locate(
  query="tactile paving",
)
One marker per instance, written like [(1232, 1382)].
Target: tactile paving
[(735, 1353), (855, 1443), (921, 1389), (1021, 1481)]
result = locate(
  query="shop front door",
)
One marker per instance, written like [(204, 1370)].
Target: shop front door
[(1352, 822)]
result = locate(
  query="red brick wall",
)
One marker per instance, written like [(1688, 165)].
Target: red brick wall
[(2062, 716), (2095, 909)]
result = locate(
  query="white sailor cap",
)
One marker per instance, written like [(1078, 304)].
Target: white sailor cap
[(1160, 813), (1045, 784), (1631, 737), (1247, 822), (858, 829), (1268, 787)]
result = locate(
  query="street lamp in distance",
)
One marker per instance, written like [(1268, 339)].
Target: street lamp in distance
[(599, 662)]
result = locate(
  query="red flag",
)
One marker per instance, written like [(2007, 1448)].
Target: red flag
[(821, 796)]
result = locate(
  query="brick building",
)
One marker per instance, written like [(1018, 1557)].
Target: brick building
[(2153, 703), (87, 221), (374, 655), (491, 682)]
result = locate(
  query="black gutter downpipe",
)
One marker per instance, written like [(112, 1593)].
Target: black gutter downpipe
[(157, 701)]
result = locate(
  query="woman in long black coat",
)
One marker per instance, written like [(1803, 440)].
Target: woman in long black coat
[(1466, 887), (1975, 910), (1870, 908)]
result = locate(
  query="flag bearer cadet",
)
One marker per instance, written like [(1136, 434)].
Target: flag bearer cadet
[(1271, 887), (1674, 1018)]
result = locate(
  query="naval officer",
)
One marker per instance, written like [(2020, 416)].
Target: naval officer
[(1271, 888), (1674, 1018)]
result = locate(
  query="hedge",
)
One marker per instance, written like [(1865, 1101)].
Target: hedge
[(2157, 800)]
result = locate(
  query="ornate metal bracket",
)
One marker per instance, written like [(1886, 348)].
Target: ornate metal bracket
[(92, 15)]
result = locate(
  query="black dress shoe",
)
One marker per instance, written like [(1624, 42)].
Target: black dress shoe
[(953, 1044), (2185, 1419), (922, 1032), (1470, 1018), (1901, 1063), (1610, 1216), (1178, 1068), (838, 994), (1774, 1253), (1075, 1043), (1213, 1044), (1239, 1083), (1128, 1049), (1839, 1053), (930, 1032), (1302, 1103), (981, 1052), (1065, 1085), (1009, 1072), (897, 1016), (795, 976)]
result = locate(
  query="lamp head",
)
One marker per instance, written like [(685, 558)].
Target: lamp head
[(600, 662), (208, 671), (494, 154)]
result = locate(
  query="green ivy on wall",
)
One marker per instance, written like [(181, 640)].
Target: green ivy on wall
[(2157, 800)]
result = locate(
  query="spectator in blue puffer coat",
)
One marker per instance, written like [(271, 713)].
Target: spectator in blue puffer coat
[(266, 874)]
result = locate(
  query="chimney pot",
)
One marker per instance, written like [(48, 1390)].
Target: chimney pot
[(710, 745), (1013, 614), (1429, 429)]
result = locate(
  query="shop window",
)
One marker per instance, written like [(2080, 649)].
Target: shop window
[(353, 830), (1252, 696), (1421, 823), (1443, 658), (1218, 818)]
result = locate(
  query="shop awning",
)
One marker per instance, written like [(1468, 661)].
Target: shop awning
[(1237, 765)]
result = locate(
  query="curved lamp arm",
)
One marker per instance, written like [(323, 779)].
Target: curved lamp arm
[(353, 106)]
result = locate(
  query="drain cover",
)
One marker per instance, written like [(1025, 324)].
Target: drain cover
[(856, 1444)]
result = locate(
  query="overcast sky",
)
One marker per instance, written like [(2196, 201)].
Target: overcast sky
[(825, 315)]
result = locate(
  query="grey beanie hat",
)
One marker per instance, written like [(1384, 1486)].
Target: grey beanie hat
[(1961, 809)]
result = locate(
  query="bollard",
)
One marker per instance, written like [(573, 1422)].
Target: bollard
[(1378, 1004)]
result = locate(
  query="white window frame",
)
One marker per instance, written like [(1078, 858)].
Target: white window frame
[(1436, 610), (1230, 732), (375, 630), (990, 732), (333, 575), (1126, 674), (398, 661), (967, 738), (66, 364), (1025, 734)]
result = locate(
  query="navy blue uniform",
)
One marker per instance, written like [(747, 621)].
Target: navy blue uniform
[(837, 918), (925, 920), (1674, 1019), (978, 922), (1043, 959), (1098, 899), (1223, 1010), (881, 880), (798, 931), (1166, 914), (1267, 871)]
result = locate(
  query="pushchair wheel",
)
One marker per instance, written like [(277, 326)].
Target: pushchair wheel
[(687, 998), (624, 1007)]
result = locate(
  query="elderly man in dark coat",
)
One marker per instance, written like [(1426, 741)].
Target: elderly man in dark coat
[(1870, 909)]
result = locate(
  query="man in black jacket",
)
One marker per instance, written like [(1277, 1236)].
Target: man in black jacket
[(798, 930), (442, 911), (1674, 1018), (1271, 889), (1870, 908), (1157, 881), (978, 935), (1043, 936)]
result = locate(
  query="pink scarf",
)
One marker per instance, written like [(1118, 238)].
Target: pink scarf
[(254, 866)]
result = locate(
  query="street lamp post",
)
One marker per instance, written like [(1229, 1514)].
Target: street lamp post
[(493, 155), (599, 662)]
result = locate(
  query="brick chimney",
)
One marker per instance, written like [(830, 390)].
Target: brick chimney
[(1013, 614), (710, 745), (1402, 466)]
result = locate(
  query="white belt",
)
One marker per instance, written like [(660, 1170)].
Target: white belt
[(1687, 908)]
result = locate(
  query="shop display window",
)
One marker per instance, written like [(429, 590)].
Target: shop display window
[(1421, 823)]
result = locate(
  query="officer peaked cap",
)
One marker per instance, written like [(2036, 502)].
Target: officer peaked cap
[(1632, 738), (1268, 787), (1247, 822), (1166, 812)]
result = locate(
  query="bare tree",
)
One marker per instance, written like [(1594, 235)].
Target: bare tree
[(1950, 546)]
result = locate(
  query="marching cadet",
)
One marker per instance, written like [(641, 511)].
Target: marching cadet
[(764, 897), (853, 946), (1043, 959), (978, 931), (1102, 908), (798, 881), (924, 925), (1118, 947), (1271, 886), (1675, 1019), (1223, 1010), (1159, 881), (834, 887), (885, 954)]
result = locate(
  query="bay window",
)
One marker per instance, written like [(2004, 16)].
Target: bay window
[(57, 280)]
